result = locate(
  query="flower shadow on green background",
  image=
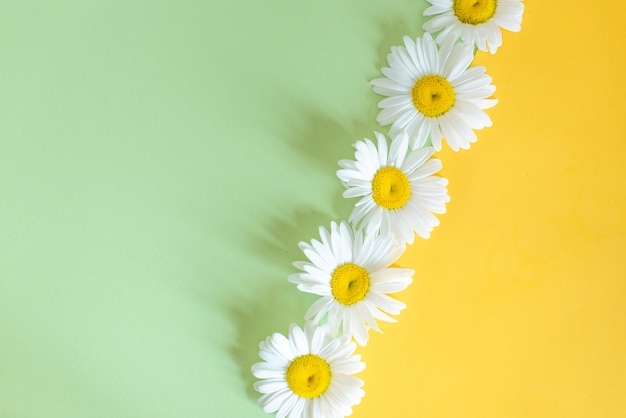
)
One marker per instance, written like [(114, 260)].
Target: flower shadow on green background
[(320, 140)]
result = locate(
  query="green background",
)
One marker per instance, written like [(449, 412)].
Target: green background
[(159, 162)]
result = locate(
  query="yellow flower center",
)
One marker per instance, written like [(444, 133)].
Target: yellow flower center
[(433, 95), (308, 376), (474, 12), (349, 283), (390, 188)]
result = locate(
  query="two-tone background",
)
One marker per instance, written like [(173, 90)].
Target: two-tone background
[(160, 160)]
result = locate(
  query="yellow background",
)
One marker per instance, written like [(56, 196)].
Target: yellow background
[(518, 308)]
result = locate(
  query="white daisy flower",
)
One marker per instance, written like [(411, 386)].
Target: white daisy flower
[(399, 193), (476, 22), (350, 271), (432, 93), (309, 374)]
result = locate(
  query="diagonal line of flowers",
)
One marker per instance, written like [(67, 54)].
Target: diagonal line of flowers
[(432, 94)]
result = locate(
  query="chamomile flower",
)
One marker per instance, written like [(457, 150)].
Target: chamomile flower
[(309, 374), (350, 272), (476, 22), (432, 93), (398, 191)]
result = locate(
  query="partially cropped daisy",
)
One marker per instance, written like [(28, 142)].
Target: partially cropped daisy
[(398, 191), (476, 22), (309, 374), (350, 271), (432, 93)]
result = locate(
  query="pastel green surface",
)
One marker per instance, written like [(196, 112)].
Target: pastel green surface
[(159, 162)]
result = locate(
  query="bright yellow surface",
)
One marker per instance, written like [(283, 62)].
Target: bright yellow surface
[(518, 308)]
